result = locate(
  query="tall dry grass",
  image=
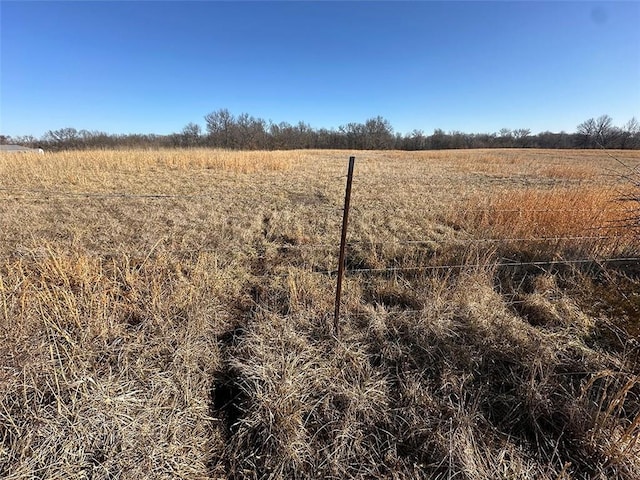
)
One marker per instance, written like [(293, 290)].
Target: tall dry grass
[(585, 220), (190, 336), (536, 212), (75, 170)]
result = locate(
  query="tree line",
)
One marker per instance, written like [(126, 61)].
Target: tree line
[(245, 132)]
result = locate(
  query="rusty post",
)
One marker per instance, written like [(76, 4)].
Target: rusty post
[(343, 245)]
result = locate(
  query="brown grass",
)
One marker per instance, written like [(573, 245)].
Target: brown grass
[(189, 336), (592, 218)]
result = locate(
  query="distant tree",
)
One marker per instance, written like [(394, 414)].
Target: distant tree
[(630, 134), (63, 138), (586, 133), (5, 140), (354, 134), (26, 140), (548, 139), (220, 126), (92, 139), (438, 140), (505, 137), (605, 131), (190, 135), (249, 132), (521, 137), (378, 134), (416, 140), (632, 126), (306, 136), (505, 132), (598, 132), (467, 139), (277, 135), (97, 139), (397, 141), (326, 138), (456, 139), (485, 140)]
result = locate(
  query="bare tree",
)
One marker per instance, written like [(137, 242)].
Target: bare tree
[(630, 134), (521, 137), (438, 140), (354, 134), (63, 138), (378, 133), (191, 134), (416, 140), (220, 126), (598, 132), (586, 132), (249, 132), (605, 131)]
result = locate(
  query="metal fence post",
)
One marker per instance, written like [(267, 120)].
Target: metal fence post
[(343, 245)]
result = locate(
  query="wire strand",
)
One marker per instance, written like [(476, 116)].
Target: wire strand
[(498, 264), (63, 193)]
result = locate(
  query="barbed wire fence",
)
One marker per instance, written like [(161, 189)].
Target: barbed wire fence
[(25, 194)]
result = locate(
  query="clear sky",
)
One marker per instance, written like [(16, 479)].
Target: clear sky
[(152, 67)]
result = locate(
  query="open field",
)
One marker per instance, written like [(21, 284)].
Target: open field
[(168, 314)]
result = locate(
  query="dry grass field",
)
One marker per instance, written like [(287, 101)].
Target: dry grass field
[(168, 314)]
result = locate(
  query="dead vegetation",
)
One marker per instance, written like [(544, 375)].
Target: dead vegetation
[(189, 335)]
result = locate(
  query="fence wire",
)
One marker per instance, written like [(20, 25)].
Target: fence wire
[(354, 243), (494, 264), (66, 193), (357, 243)]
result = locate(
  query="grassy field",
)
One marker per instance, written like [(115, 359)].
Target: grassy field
[(168, 314)]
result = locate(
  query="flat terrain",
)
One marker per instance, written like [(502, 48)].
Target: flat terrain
[(168, 314)]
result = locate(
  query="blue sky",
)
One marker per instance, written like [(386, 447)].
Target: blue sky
[(152, 67)]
